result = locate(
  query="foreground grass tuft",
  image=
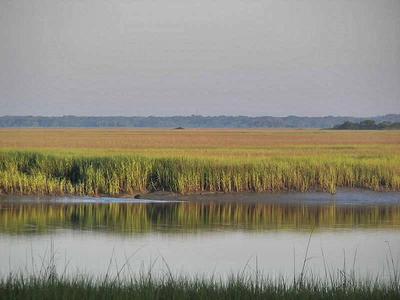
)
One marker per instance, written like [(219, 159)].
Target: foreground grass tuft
[(53, 287)]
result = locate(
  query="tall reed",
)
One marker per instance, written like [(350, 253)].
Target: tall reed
[(24, 172)]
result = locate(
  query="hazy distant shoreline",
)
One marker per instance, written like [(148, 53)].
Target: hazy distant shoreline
[(193, 121)]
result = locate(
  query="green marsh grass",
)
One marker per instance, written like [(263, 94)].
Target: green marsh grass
[(49, 285), (33, 172)]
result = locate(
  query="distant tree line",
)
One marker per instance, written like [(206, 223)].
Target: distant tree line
[(367, 125), (193, 121)]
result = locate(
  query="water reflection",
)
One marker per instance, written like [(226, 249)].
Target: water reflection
[(25, 218)]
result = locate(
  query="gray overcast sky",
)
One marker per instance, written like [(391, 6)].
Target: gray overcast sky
[(209, 57)]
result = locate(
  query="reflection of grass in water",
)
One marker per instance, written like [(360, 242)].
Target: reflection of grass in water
[(24, 172), (192, 216)]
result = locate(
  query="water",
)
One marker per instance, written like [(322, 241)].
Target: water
[(209, 235)]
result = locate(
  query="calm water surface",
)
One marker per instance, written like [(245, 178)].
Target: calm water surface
[(202, 235)]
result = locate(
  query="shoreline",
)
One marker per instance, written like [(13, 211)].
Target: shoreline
[(344, 196)]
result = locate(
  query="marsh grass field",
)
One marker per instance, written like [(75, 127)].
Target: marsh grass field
[(127, 162), (123, 162), (216, 143)]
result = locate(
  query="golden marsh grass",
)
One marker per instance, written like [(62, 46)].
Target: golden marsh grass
[(115, 162)]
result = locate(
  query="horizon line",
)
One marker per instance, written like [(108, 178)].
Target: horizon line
[(196, 115)]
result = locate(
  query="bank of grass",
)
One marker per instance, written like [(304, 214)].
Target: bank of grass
[(36, 172), (237, 287)]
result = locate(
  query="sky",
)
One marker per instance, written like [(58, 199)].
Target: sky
[(203, 57)]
